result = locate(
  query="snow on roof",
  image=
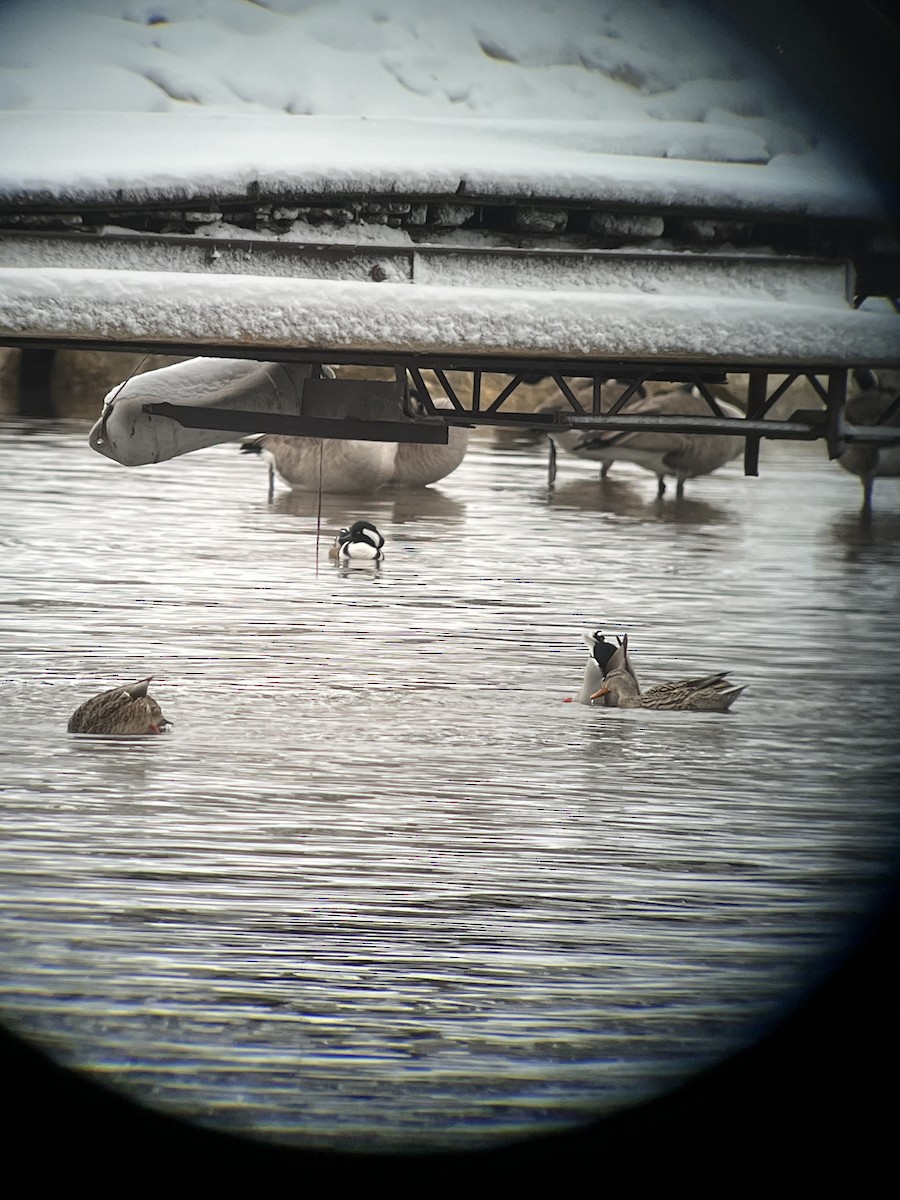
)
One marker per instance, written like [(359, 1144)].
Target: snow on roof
[(328, 315), (644, 103), (115, 157), (573, 59)]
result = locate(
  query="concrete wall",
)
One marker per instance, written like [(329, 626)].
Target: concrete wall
[(9, 381), (78, 380)]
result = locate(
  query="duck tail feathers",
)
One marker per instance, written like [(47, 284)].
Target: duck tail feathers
[(136, 690), (732, 694), (708, 680)]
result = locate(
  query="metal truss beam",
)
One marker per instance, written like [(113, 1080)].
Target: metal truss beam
[(415, 397), (468, 406)]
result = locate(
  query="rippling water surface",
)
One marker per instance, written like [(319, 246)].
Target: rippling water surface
[(380, 888)]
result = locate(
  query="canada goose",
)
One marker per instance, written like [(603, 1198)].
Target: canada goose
[(127, 710), (361, 467), (419, 464), (684, 455), (620, 689), (361, 542), (327, 464), (582, 389), (869, 460)]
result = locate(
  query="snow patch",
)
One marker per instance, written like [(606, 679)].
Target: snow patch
[(325, 315)]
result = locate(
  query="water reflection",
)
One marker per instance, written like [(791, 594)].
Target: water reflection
[(623, 498), (867, 536), (380, 887), (399, 507)]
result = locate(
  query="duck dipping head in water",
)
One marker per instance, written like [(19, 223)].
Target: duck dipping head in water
[(122, 711), (605, 657), (360, 543), (619, 688)]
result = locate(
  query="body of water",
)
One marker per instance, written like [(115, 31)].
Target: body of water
[(381, 887)]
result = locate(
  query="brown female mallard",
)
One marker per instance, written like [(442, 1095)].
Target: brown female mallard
[(710, 693), (127, 710), (620, 688)]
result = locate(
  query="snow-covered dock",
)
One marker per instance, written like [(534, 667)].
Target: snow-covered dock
[(618, 196), (479, 239)]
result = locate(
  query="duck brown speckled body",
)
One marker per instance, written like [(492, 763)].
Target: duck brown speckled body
[(127, 710), (710, 693)]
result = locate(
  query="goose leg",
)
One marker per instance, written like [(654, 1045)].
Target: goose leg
[(604, 470), (271, 481), (679, 489), (661, 488), (868, 483), (551, 463)]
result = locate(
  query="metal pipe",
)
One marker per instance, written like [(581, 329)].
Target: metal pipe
[(346, 428)]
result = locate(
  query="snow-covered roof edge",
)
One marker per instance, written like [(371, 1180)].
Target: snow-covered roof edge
[(172, 309), (103, 158)]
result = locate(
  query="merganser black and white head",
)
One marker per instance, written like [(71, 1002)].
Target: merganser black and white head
[(360, 543)]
